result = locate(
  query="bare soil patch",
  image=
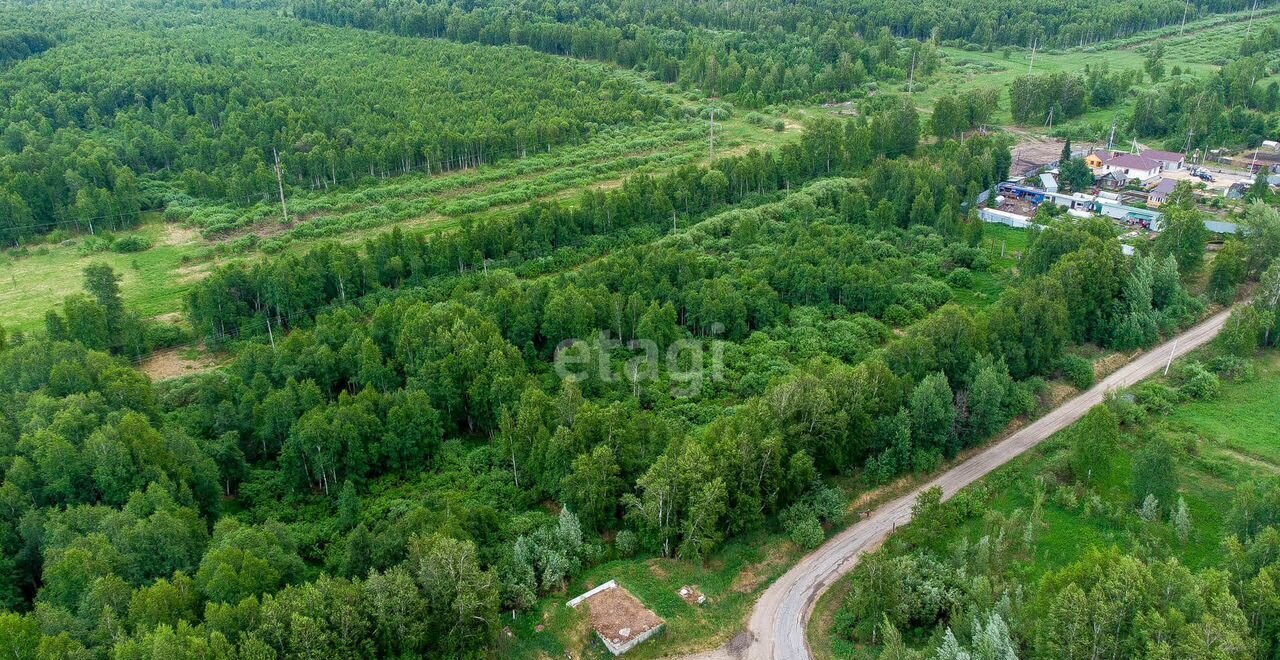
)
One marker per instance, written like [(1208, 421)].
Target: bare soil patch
[(1251, 460), (177, 235), (172, 363), (1107, 364), (1059, 393), (619, 617), (690, 594), (1034, 151), (172, 318), (266, 228), (194, 272)]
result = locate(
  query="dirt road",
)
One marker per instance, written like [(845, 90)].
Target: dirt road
[(776, 629)]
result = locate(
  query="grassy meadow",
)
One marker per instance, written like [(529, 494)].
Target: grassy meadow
[(36, 278)]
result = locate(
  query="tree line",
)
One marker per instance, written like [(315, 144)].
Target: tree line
[(654, 34), (1058, 96), (1227, 107), (288, 290)]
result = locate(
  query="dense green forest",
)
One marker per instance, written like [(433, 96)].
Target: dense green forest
[(665, 38), (1228, 107), (152, 105), (414, 437), (206, 101), (427, 389)]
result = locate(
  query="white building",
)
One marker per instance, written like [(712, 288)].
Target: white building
[(1170, 161), (1132, 167), (998, 217)]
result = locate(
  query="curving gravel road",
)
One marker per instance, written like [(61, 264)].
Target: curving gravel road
[(776, 629)]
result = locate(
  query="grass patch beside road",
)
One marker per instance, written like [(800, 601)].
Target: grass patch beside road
[(1244, 418)]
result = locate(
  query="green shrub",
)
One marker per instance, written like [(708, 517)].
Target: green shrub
[(92, 245), (626, 543), (926, 461), (1026, 396), (897, 316), (166, 335), (1198, 382), (1233, 368), (131, 243), (1156, 398), (960, 278), (245, 243), (1077, 371), (806, 532)]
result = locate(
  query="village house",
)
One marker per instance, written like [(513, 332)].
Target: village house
[(1132, 167), (1160, 194), (1113, 180), (1094, 161)]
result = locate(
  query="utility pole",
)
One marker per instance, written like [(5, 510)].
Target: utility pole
[(1185, 7), (712, 136), (1032, 63), (1249, 26), (280, 186), (271, 334), (911, 79), (1191, 125), (1112, 139)]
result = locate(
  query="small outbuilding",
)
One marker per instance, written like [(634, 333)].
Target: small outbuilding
[(1160, 194), (1048, 183), (1113, 181)]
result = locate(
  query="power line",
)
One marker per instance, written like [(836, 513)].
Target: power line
[(81, 221)]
